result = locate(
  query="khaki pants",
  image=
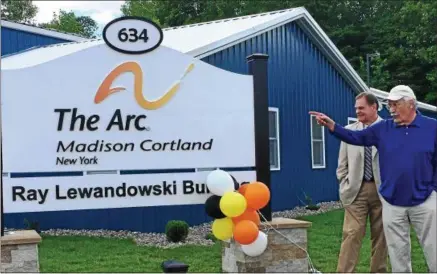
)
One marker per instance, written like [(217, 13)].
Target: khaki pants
[(367, 203), (423, 218)]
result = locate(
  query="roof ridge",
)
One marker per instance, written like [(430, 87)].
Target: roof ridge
[(230, 19)]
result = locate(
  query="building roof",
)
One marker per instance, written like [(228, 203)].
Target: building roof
[(204, 39), (42, 31)]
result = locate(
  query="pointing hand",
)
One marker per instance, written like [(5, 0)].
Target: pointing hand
[(323, 120)]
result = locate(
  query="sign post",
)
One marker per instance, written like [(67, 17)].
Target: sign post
[(1, 156), (258, 69)]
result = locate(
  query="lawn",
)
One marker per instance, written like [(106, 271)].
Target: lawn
[(86, 254)]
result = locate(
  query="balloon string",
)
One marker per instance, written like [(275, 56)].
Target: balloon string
[(312, 268)]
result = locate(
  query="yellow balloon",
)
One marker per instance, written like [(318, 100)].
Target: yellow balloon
[(223, 228), (233, 204)]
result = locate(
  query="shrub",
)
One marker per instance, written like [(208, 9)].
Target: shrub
[(176, 231), (313, 207), (32, 225)]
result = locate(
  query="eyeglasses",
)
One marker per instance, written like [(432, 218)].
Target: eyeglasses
[(396, 104)]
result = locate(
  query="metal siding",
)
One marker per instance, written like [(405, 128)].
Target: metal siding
[(384, 113), (13, 41), (147, 219), (300, 79), (429, 113)]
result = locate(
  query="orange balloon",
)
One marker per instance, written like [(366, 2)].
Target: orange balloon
[(257, 195), (250, 215), (242, 189), (245, 232)]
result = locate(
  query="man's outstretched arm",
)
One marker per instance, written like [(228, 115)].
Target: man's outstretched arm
[(365, 137)]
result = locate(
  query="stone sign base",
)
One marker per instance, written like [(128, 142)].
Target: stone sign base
[(280, 256), (19, 251)]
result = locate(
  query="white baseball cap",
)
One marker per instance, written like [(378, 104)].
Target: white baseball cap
[(399, 92)]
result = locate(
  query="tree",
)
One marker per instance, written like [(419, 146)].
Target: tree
[(407, 41), (18, 11), (68, 22), (402, 31), (144, 8)]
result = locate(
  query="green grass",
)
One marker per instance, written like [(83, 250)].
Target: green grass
[(92, 254), (86, 254), (324, 238)]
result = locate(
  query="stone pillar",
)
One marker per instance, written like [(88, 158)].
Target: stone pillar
[(20, 251), (280, 256)]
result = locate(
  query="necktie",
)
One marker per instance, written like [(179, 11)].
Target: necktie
[(368, 174)]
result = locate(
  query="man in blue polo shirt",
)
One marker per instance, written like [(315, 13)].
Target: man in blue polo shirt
[(407, 146)]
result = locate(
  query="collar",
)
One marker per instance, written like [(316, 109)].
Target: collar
[(376, 121), (417, 122)]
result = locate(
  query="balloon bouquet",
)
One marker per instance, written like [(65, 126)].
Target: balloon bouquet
[(235, 210)]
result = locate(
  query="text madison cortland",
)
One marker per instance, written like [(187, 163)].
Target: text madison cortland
[(145, 145)]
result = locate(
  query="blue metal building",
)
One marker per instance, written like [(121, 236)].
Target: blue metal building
[(17, 37), (306, 72)]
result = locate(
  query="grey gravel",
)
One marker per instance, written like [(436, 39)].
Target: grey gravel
[(196, 236), (302, 211)]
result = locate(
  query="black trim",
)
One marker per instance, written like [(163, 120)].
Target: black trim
[(46, 174), (233, 169), (258, 69), (134, 18), (122, 172), (156, 171)]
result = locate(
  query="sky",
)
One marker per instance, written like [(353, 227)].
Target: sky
[(101, 11)]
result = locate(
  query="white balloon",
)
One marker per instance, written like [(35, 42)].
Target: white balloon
[(219, 182), (257, 247)]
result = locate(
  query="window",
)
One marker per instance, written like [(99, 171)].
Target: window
[(351, 120), (317, 144), (275, 163)]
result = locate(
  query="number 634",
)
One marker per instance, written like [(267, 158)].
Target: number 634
[(133, 36)]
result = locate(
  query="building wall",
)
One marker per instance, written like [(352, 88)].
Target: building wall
[(13, 41), (429, 114), (300, 79)]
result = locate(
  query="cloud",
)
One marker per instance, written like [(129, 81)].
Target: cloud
[(101, 11)]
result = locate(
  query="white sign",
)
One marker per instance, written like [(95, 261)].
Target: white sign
[(107, 191), (132, 35), (98, 109), (86, 107)]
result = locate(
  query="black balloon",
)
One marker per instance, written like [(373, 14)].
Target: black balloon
[(212, 207), (236, 184)]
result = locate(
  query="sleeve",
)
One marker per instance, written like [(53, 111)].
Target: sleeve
[(365, 137), (342, 168)]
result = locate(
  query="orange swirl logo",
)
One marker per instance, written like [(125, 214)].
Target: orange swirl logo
[(105, 88)]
